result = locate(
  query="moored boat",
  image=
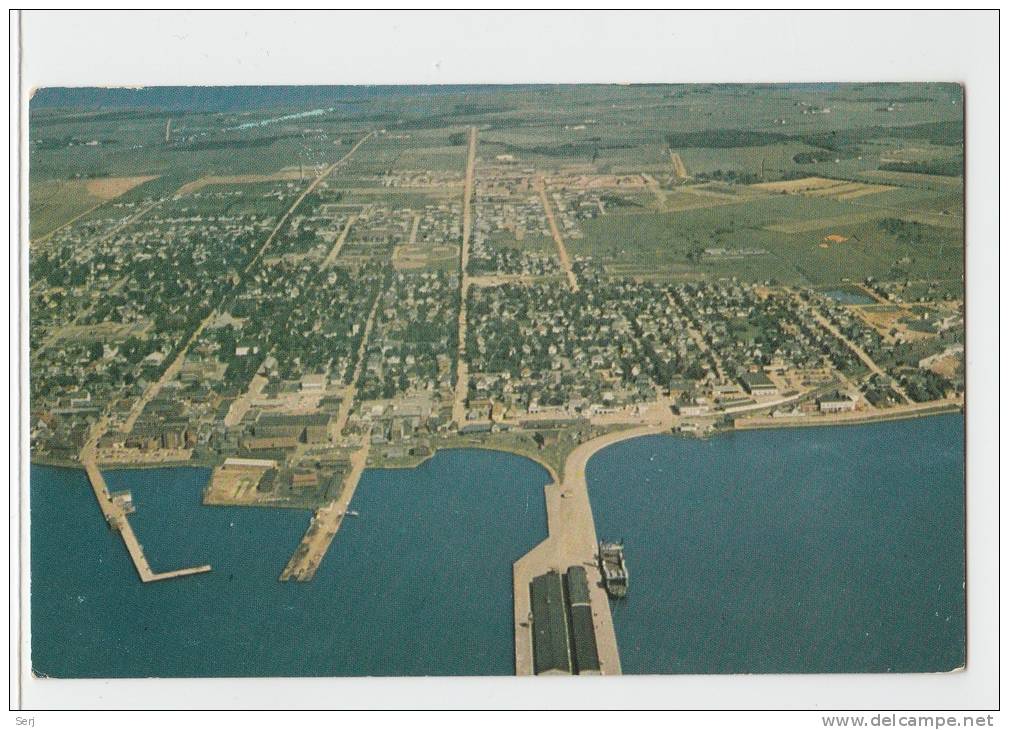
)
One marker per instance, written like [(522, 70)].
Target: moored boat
[(613, 568)]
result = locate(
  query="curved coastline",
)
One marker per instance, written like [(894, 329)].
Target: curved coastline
[(571, 534), (604, 440), (471, 513), (572, 540), (812, 502), (476, 447)]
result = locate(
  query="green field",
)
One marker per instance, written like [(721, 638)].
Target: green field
[(676, 242), (54, 202), (728, 134)]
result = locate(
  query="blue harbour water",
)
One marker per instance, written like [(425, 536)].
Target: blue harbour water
[(419, 584), (794, 550)]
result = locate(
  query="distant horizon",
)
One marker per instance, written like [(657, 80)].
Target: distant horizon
[(234, 97), (264, 96)]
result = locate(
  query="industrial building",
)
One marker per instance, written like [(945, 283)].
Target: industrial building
[(836, 402), (583, 633), (551, 648), (563, 632), (758, 384), (286, 431)]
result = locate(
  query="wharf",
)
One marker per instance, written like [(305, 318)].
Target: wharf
[(326, 523), (115, 515), (572, 541)]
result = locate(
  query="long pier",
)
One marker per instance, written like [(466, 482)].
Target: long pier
[(571, 541), (326, 523), (115, 515)]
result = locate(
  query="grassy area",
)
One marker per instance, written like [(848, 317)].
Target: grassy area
[(782, 237), (450, 158), (53, 203), (392, 198), (738, 130), (560, 444)]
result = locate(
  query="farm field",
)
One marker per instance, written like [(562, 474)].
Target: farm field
[(53, 203), (765, 178), (915, 179), (782, 237)]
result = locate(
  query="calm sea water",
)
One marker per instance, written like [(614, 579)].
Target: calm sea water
[(802, 550), (792, 550), (419, 584)]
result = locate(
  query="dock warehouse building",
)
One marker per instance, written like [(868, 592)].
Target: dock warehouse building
[(583, 632), (310, 428), (563, 632), (551, 650)]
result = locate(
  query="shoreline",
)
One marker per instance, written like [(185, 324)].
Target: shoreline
[(130, 465), (571, 537), (477, 447), (572, 540), (766, 423)]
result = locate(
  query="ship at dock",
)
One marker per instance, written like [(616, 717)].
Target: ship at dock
[(613, 568)]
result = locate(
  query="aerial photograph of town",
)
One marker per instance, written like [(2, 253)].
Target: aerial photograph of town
[(337, 381)]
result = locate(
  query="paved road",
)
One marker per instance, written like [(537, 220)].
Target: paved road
[(572, 540), (327, 519), (862, 354), (700, 341), (60, 331), (462, 369), (350, 392), (338, 244), (562, 251), (172, 370)]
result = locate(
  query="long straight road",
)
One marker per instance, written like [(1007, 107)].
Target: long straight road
[(862, 354), (462, 369), (350, 392), (327, 519), (108, 234), (397, 253), (562, 251), (172, 370), (60, 332), (467, 198), (338, 244), (113, 513), (699, 340)]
